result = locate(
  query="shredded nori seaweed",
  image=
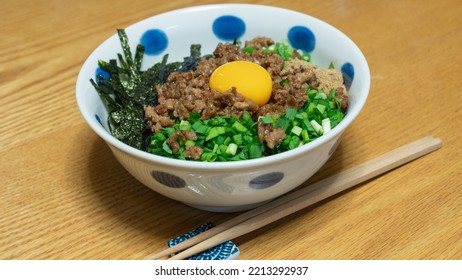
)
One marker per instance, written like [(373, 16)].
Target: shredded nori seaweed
[(190, 62), (127, 89)]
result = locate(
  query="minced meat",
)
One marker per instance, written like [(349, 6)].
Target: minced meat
[(188, 92), (270, 135), (182, 135)]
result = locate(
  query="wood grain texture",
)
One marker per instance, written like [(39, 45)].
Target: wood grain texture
[(302, 198), (64, 196)]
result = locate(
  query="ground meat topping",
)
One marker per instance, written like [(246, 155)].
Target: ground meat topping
[(187, 92), (182, 135), (272, 136), (193, 152)]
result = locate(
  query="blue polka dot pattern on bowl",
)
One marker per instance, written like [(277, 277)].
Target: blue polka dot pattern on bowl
[(300, 37), (101, 73), (98, 119), (155, 41), (223, 251), (348, 72), (168, 179), (228, 27), (266, 180)]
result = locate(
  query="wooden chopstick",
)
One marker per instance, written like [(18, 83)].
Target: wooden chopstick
[(302, 198)]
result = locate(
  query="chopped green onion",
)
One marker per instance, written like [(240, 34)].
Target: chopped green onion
[(237, 138), (248, 138), (231, 149), (320, 95), (317, 127), (305, 136), (296, 130), (306, 57), (301, 116), (332, 94), (283, 123), (321, 108), (269, 49), (326, 125), (208, 157), (226, 138), (222, 149), (214, 132), (239, 127), (157, 137), (294, 142), (311, 92), (200, 128), (185, 125), (166, 148), (169, 130), (290, 113), (332, 105), (256, 150), (266, 119), (190, 143), (249, 49), (311, 107), (284, 82)]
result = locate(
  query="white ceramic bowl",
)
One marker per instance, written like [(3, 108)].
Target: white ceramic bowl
[(228, 186)]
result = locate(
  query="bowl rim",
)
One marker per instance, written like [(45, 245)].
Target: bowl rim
[(229, 165)]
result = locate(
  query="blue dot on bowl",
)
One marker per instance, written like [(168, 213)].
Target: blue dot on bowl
[(99, 120), (100, 73), (348, 73), (155, 41), (266, 180), (228, 27), (300, 37), (168, 179)]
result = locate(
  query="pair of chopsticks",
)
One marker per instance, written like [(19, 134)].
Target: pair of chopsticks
[(302, 198)]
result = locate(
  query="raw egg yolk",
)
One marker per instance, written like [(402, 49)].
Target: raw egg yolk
[(250, 79)]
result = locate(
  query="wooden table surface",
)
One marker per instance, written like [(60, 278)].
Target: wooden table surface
[(64, 196)]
